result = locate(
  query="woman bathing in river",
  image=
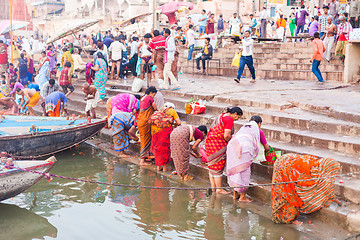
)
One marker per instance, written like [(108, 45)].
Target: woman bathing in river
[(219, 135), (288, 200), (180, 140), (122, 124), (147, 108), (161, 129), (240, 153)]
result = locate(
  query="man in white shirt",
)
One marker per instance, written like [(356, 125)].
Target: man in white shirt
[(116, 48), (190, 41), (246, 57), (263, 22), (134, 54), (235, 23), (170, 49)]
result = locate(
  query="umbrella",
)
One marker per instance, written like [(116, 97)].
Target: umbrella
[(5, 25), (71, 28), (132, 20), (169, 9)]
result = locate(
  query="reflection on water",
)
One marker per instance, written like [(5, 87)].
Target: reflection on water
[(66, 209), (20, 223)]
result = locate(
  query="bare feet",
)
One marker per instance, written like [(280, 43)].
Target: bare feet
[(222, 191), (187, 177), (144, 163), (338, 202), (245, 200), (236, 195), (296, 222), (159, 168), (166, 169), (122, 154)]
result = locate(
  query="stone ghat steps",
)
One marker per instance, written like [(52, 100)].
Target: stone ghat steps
[(278, 74), (234, 99), (347, 190), (293, 117), (311, 230), (269, 64), (287, 140), (346, 216)]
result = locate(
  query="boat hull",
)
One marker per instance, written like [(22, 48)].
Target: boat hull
[(45, 143), (17, 181)]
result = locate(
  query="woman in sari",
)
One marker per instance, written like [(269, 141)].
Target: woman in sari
[(44, 72), (100, 69), (288, 200), (215, 145), (160, 131), (180, 140), (122, 124), (67, 57), (240, 153), (123, 102), (147, 108)]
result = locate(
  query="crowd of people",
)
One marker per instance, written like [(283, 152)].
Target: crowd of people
[(59, 65)]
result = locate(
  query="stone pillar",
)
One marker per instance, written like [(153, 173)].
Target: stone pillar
[(352, 56)]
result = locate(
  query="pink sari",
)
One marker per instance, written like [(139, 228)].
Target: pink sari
[(124, 102), (241, 151)]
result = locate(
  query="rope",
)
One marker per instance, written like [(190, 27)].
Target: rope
[(49, 177)]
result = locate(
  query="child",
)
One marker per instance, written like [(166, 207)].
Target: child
[(65, 79), (91, 98)]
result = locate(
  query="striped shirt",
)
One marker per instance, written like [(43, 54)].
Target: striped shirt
[(156, 42), (323, 22), (344, 28)]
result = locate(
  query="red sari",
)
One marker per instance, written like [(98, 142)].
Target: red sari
[(160, 143), (215, 146)]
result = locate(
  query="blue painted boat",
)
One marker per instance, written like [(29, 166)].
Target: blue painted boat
[(16, 180), (40, 136)]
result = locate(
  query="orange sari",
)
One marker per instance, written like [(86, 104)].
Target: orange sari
[(288, 200), (146, 110)]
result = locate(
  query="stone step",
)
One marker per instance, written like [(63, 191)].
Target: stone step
[(236, 99), (268, 65), (347, 144), (292, 118), (278, 74), (260, 60)]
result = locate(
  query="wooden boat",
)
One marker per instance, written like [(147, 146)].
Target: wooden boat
[(41, 136), (14, 181)]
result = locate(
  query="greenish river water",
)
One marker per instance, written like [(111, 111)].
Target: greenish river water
[(67, 210)]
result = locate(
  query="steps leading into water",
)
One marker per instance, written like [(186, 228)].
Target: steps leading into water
[(287, 127)]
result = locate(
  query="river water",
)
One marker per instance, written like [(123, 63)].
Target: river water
[(64, 209)]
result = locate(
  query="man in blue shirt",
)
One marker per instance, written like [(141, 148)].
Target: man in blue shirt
[(202, 23), (108, 40)]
